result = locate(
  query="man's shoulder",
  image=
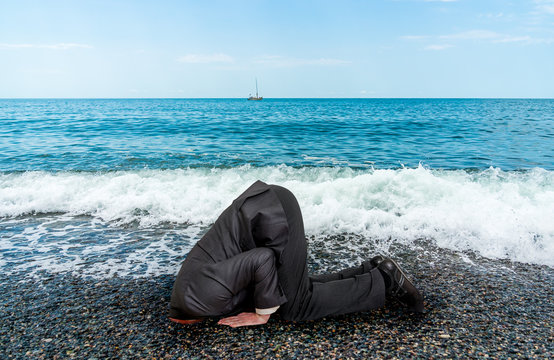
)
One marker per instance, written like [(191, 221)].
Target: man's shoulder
[(255, 189)]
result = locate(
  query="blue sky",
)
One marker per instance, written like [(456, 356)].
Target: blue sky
[(347, 48)]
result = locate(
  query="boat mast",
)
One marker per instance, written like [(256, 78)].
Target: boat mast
[(256, 87)]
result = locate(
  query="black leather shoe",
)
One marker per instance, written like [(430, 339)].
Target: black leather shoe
[(376, 260), (401, 288)]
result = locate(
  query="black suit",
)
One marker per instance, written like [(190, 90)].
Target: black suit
[(254, 256)]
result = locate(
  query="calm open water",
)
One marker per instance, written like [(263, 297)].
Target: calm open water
[(130, 134)]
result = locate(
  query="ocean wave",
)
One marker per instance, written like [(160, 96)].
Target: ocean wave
[(495, 213)]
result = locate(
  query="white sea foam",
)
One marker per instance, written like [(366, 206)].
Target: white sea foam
[(494, 213)]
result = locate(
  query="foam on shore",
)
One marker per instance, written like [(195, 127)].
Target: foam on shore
[(494, 213)]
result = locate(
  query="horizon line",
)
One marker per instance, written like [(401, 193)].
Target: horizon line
[(276, 98)]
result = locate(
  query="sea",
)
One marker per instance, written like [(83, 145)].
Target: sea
[(125, 187)]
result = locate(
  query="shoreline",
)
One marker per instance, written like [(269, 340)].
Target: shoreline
[(474, 309)]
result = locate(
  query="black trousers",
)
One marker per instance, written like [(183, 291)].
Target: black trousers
[(355, 289)]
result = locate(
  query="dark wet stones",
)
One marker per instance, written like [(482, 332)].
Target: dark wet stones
[(489, 309)]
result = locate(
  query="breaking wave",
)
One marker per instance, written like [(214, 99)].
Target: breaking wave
[(494, 213)]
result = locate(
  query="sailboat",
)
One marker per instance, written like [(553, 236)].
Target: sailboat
[(256, 97)]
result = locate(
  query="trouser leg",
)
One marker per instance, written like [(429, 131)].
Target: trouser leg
[(343, 274), (336, 297), (351, 290)]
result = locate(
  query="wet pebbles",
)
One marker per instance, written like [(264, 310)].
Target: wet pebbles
[(475, 308)]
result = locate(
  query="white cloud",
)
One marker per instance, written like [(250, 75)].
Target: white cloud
[(438, 47), (477, 35), (204, 59), (545, 6), (466, 35), (414, 37), (326, 61), (39, 71), (59, 46), (509, 39), (492, 15), (473, 35), (494, 37), (282, 61)]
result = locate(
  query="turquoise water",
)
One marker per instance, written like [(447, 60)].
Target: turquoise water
[(127, 186), (87, 135)]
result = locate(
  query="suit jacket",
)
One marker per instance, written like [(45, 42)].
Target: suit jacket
[(233, 268)]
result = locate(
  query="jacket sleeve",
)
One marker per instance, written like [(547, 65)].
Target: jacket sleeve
[(254, 268)]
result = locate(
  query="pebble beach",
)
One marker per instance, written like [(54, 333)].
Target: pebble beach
[(475, 308)]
